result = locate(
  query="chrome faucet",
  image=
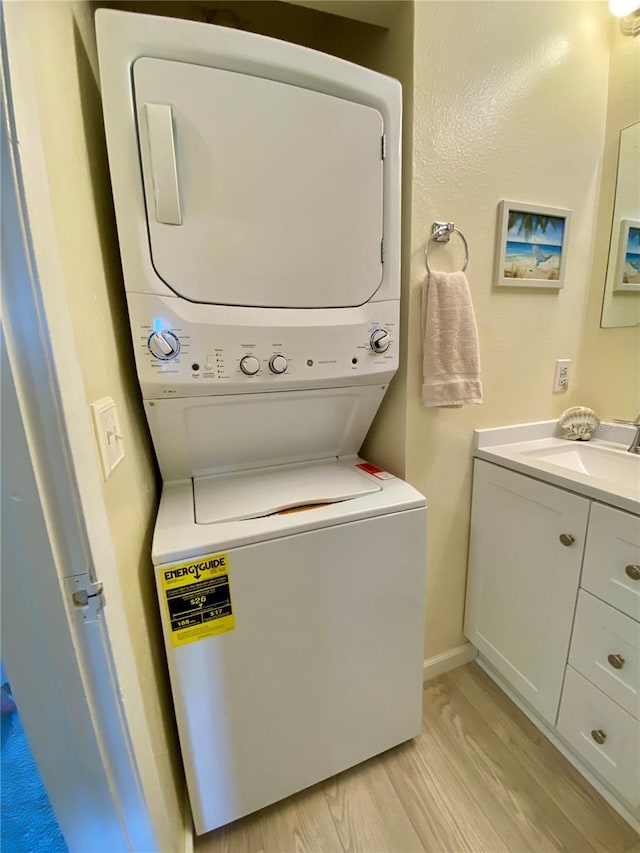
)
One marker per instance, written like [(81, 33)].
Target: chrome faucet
[(634, 447)]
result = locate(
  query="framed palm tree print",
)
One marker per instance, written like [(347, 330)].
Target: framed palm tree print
[(532, 245)]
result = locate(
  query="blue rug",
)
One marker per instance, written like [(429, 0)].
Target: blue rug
[(28, 824)]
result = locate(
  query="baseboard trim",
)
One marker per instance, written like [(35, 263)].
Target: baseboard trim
[(451, 659)]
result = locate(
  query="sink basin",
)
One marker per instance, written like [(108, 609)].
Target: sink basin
[(601, 469), (615, 466)]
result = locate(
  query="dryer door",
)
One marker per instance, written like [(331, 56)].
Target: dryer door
[(258, 193)]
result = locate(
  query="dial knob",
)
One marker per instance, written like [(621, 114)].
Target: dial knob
[(164, 345), (278, 364), (380, 340), (249, 365)]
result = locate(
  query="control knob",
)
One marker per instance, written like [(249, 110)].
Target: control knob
[(164, 345), (250, 365), (380, 340), (278, 364)]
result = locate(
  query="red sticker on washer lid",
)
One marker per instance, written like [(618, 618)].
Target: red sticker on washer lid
[(379, 473)]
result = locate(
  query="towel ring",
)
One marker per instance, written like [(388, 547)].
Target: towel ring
[(441, 233)]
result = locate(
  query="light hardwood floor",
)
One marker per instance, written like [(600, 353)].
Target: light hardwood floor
[(480, 778)]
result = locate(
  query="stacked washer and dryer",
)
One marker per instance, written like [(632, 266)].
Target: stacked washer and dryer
[(257, 195)]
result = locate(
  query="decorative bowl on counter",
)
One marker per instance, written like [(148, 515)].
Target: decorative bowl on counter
[(578, 423)]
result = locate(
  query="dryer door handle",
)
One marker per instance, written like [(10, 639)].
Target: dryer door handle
[(164, 172)]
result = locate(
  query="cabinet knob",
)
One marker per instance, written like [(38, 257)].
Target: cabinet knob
[(633, 572), (616, 661), (599, 736), (567, 539)]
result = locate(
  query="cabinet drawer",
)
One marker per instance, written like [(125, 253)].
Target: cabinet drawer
[(612, 552), (605, 648), (586, 714)]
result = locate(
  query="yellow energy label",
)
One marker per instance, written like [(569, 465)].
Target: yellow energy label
[(198, 598)]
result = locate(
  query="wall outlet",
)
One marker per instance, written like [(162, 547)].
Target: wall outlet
[(108, 436), (561, 374)]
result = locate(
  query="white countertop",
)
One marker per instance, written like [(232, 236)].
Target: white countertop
[(530, 448)]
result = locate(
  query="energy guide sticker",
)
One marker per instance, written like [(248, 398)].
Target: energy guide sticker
[(198, 598)]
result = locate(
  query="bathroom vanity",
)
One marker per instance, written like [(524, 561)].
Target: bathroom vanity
[(553, 595)]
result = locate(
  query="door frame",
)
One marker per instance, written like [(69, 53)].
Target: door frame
[(51, 412)]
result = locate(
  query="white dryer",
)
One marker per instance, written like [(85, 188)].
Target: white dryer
[(257, 195)]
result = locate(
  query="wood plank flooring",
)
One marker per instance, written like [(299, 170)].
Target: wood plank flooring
[(480, 778)]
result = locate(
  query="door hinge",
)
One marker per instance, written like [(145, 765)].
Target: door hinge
[(383, 147), (86, 595), (381, 251)]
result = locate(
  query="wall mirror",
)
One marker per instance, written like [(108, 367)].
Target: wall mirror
[(621, 303)]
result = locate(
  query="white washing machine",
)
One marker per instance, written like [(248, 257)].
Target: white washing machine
[(257, 194), (323, 665)]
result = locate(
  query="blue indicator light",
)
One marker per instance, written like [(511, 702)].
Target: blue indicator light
[(158, 324)]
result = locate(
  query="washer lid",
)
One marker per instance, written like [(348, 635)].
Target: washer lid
[(255, 495), (258, 193)]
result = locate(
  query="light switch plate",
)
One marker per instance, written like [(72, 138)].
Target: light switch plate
[(108, 436)]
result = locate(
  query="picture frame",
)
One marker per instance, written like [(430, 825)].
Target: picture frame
[(628, 262), (532, 245)]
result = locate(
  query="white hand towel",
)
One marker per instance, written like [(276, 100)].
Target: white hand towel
[(451, 356)]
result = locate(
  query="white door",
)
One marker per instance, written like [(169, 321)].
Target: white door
[(523, 581), (258, 192), (41, 657)]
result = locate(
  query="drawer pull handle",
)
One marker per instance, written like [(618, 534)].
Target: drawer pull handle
[(599, 736), (633, 572), (567, 539), (616, 661)]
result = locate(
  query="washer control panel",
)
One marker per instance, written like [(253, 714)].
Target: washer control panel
[(187, 356)]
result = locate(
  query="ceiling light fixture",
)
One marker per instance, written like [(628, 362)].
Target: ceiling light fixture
[(622, 8), (629, 13)]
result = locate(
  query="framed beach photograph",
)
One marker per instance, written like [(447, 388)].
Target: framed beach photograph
[(532, 245), (628, 266)]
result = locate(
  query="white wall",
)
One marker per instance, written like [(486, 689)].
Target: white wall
[(509, 103)]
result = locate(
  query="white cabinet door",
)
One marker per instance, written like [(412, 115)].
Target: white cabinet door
[(258, 192), (523, 581)]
